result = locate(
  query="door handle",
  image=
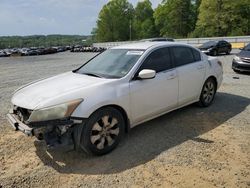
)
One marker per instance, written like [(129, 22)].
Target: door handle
[(200, 67), (172, 76)]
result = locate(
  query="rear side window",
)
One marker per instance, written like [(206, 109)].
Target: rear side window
[(221, 43), (159, 60), (197, 55), (183, 55)]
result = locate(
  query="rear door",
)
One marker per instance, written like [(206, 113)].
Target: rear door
[(191, 73), (153, 96)]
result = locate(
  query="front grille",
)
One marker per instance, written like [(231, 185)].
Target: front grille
[(22, 113), (245, 59), (243, 68)]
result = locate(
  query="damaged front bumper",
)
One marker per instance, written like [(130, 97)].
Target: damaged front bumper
[(56, 133), (18, 125)]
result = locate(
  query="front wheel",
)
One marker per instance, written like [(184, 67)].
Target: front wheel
[(207, 93), (103, 131)]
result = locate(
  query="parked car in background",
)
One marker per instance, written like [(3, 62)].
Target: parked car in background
[(30, 51), (79, 48), (7, 52), (3, 53), (241, 62), (161, 39), (94, 105), (215, 48), (33, 51), (23, 51), (49, 50)]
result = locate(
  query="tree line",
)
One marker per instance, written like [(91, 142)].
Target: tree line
[(43, 41), (120, 21)]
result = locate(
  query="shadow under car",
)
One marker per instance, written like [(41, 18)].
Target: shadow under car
[(145, 142)]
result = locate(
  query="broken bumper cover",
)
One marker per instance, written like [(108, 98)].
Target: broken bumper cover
[(18, 125), (56, 133)]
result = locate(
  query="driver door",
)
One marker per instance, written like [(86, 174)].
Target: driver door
[(151, 97)]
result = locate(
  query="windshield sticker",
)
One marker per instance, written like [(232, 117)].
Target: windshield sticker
[(134, 53)]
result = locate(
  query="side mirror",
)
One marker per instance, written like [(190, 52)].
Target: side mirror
[(146, 74)]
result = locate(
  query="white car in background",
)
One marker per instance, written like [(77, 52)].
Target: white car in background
[(94, 105)]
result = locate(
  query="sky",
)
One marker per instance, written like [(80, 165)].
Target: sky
[(29, 17)]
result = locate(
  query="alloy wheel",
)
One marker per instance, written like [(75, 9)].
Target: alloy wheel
[(208, 92), (104, 132)]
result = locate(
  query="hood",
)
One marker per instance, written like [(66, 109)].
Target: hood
[(244, 53), (206, 47), (33, 94)]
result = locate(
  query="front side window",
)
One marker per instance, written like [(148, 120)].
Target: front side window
[(159, 60), (113, 63), (221, 43), (209, 44), (182, 55)]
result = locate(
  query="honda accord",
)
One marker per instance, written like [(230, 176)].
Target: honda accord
[(93, 106)]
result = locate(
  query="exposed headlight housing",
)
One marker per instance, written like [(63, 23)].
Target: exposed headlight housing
[(54, 112), (237, 58)]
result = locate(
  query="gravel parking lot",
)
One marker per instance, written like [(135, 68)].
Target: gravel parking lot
[(190, 147)]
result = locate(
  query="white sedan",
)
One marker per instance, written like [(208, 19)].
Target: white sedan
[(94, 105)]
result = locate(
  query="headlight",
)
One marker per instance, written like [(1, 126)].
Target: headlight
[(236, 58), (55, 112), (210, 49)]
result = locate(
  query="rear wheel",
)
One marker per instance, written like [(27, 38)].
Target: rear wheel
[(228, 51), (103, 131), (208, 93)]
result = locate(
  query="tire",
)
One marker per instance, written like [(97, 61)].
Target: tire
[(228, 51), (103, 131), (208, 92)]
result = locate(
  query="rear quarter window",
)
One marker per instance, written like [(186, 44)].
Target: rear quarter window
[(197, 55)]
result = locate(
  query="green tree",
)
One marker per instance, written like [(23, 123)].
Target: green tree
[(195, 4), (114, 20), (40, 41), (173, 18), (223, 18), (143, 23), (239, 19)]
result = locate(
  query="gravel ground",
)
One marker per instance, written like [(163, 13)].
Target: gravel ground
[(190, 147)]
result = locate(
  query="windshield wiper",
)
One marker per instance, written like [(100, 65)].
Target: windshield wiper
[(92, 74)]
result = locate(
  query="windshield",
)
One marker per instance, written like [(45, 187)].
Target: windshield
[(208, 44), (113, 63), (247, 48)]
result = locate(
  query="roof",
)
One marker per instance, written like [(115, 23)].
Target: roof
[(146, 45)]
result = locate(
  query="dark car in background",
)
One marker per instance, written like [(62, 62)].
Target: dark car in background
[(241, 62), (215, 48), (160, 39)]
